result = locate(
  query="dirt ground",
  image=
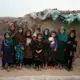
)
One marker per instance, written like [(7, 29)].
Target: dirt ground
[(51, 72)]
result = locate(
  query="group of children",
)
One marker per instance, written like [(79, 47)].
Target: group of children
[(41, 50)]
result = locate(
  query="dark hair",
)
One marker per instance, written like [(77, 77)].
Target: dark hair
[(20, 28), (38, 29), (30, 33), (53, 32), (39, 35), (45, 30), (74, 32), (7, 33)]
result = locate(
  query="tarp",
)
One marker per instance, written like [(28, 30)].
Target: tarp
[(55, 14)]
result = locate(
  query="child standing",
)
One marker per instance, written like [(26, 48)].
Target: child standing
[(28, 48), (46, 47), (19, 49), (53, 49), (71, 47), (13, 32), (7, 50), (39, 52), (62, 39)]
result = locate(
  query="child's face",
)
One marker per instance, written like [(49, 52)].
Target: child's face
[(12, 27), (62, 31), (37, 31), (28, 34), (7, 35), (46, 32), (20, 30), (53, 35), (72, 35), (39, 37)]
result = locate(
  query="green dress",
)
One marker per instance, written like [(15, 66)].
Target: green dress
[(62, 39), (19, 54)]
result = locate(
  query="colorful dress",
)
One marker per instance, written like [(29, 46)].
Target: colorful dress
[(19, 54), (7, 49)]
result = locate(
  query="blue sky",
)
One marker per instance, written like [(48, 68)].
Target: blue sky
[(18, 8)]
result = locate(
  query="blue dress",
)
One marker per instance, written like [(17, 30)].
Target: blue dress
[(7, 52)]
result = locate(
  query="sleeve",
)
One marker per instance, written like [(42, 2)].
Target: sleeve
[(56, 43), (66, 38), (12, 46), (2, 46)]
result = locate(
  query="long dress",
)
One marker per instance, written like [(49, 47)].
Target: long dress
[(13, 32), (19, 54), (7, 52), (28, 52), (62, 39), (46, 49), (52, 53), (70, 49), (38, 57)]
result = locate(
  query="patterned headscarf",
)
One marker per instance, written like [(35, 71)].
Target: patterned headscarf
[(9, 40)]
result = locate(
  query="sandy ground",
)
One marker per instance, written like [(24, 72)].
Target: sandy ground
[(51, 72)]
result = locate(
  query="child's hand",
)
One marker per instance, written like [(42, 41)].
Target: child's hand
[(37, 51), (70, 53), (69, 42), (22, 48), (40, 51), (15, 47), (55, 49)]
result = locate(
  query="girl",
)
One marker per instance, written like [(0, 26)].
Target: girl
[(45, 47), (62, 39), (37, 31), (28, 48), (71, 47), (7, 50), (39, 52), (19, 36), (19, 49), (33, 50), (53, 49), (13, 31)]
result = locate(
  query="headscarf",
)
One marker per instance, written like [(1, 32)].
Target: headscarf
[(72, 38), (19, 37), (62, 37), (45, 37), (12, 31), (9, 40)]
